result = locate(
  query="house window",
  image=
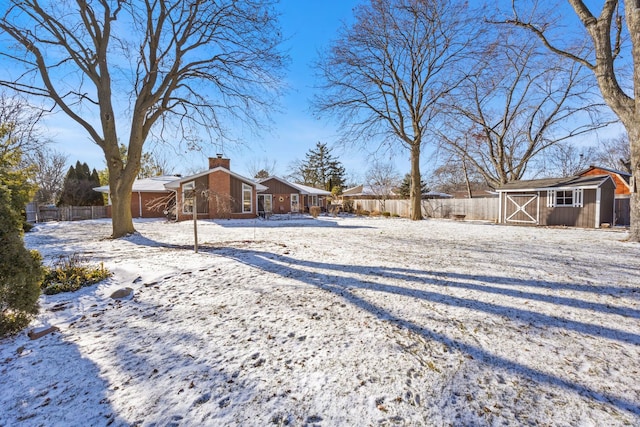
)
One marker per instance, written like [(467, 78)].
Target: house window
[(313, 200), (188, 190), (564, 198), (247, 195)]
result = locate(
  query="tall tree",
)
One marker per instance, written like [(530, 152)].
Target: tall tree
[(322, 170), (159, 65), (613, 33), (385, 76), (519, 102)]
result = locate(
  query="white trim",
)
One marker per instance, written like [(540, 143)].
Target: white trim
[(598, 201), (245, 188)]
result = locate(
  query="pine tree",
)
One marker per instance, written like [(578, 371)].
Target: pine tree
[(405, 186), (78, 186), (322, 170)]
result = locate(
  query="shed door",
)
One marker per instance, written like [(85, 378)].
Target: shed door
[(522, 208)]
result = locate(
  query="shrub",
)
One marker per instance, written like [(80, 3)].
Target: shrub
[(314, 211), (395, 215), (20, 272), (70, 273), (386, 214), (375, 213), (347, 206), (362, 212)]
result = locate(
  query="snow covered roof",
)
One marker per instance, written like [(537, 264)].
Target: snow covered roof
[(174, 185), (304, 189), (154, 184), (365, 190)]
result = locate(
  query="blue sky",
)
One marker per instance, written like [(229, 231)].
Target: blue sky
[(308, 26)]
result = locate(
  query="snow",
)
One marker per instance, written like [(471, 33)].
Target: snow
[(331, 322)]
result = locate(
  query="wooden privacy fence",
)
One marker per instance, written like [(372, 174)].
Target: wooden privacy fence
[(37, 213), (485, 208)]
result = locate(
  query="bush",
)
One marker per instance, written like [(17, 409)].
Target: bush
[(386, 214), (20, 272), (314, 211), (347, 206), (71, 273), (375, 213), (362, 212)]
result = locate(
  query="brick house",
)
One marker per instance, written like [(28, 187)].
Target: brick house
[(217, 192)]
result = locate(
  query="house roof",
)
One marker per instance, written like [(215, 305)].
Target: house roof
[(364, 190), (623, 174), (303, 189), (174, 185), (589, 181), (154, 184)]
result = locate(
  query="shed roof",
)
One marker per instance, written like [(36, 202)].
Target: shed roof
[(589, 181), (155, 184)]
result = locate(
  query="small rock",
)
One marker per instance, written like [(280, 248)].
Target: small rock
[(122, 293), (36, 333)]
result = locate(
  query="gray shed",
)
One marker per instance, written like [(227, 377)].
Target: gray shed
[(577, 201)]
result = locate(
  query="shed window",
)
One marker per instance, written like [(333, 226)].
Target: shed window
[(560, 198), (247, 195)]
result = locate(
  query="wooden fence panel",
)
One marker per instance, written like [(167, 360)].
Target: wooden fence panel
[(67, 213), (485, 208)]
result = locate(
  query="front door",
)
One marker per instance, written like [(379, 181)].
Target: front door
[(295, 202)]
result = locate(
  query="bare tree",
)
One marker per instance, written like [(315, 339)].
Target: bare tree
[(613, 32), (454, 175), (262, 168), (159, 65), (614, 153), (567, 159), (519, 103), (386, 75), (51, 169), (21, 124), (382, 178)]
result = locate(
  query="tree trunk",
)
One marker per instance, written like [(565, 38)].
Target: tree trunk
[(121, 220), (416, 189), (120, 184), (634, 141)]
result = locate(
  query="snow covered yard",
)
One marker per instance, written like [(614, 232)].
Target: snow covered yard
[(334, 322)]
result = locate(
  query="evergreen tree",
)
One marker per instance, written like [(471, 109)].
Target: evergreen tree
[(78, 186), (405, 187), (322, 169), (20, 269), (17, 179)]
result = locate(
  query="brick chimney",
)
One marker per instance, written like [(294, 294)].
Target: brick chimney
[(214, 162)]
